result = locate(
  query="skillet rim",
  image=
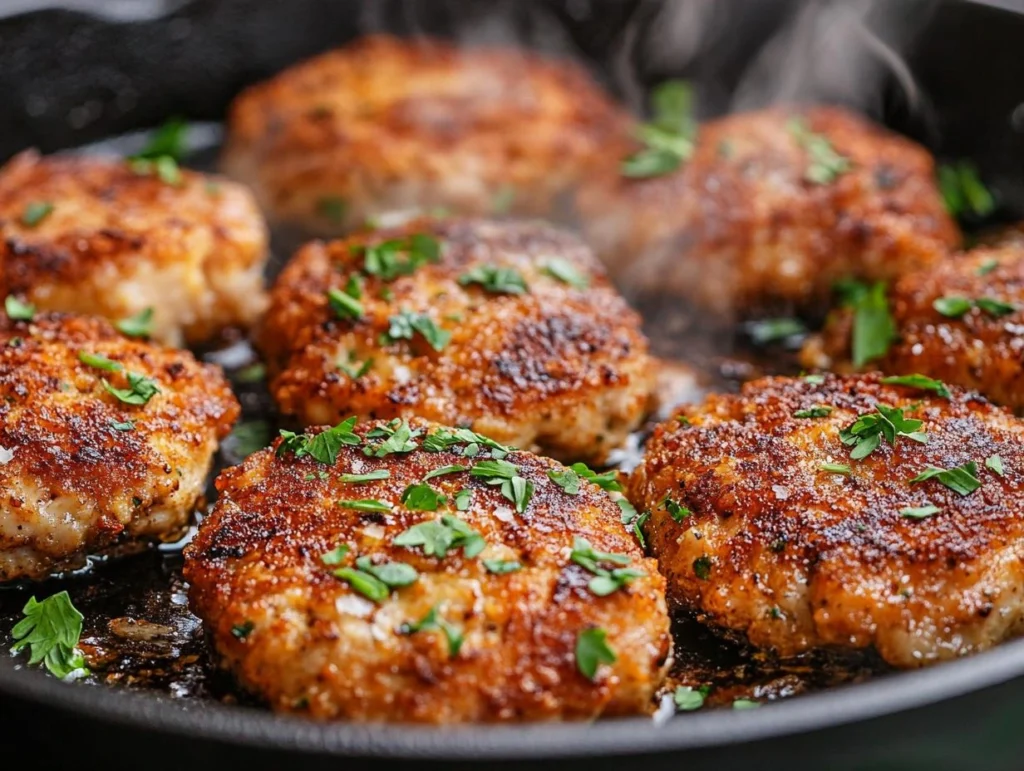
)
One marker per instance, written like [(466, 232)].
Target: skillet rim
[(258, 729)]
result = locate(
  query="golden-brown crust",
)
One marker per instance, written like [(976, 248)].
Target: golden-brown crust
[(117, 242), (73, 481), (979, 350), (387, 124), (319, 647), (557, 368), (801, 557), (739, 228)]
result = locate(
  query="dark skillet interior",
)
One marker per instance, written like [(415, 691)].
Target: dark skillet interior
[(67, 79)]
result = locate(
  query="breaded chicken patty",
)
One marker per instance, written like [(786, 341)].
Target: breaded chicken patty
[(842, 512), (387, 125), (89, 235), (103, 440), (771, 209), (510, 328), (961, 321), (407, 572)]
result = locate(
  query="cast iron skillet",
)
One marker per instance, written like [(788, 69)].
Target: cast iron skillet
[(68, 77)]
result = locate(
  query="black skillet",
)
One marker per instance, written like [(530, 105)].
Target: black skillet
[(68, 77)]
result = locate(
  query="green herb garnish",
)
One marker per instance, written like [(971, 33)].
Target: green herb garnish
[(592, 650), (432, 622), (561, 269), (606, 580), (821, 411), (919, 381), (35, 213), (344, 305), (962, 480), (369, 476), (919, 512), (496, 279), (18, 310), (139, 325), (365, 504), (405, 324), (957, 307), (250, 436), (501, 567), (963, 191), (399, 257), (702, 567), (500, 472), (399, 438), (51, 630), (836, 468), (139, 391), (995, 463), (825, 165), (438, 537), (865, 434), (669, 137), (422, 497), (873, 327)]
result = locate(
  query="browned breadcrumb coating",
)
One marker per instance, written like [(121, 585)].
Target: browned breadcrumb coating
[(309, 642), (980, 350), (559, 368), (387, 125), (797, 556), (739, 228), (80, 469), (117, 242)]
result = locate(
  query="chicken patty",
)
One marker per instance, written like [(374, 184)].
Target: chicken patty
[(771, 209), (385, 126), (961, 321), (510, 328), (103, 440), (842, 512), (407, 572), (181, 256)]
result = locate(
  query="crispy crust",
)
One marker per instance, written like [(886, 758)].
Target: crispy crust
[(977, 351), (386, 124), (317, 646), (738, 229), (802, 558), (117, 242), (561, 369), (74, 484)]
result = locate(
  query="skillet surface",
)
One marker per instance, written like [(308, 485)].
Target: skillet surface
[(971, 100)]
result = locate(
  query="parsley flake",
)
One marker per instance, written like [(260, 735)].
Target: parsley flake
[(140, 389), (995, 463), (501, 567), (344, 305), (835, 468), (873, 326), (606, 581), (821, 411), (702, 567), (963, 191), (433, 622), (243, 630), (438, 537), (18, 310), (35, 213), (139, 325), (920, 382), (956, 307), (455, 468), (825, 165), (567, 479), (866, 432), (369, 476), (398, 435), (676, 510), (688, 699), (335, 556), (608, 480), (592, 650), (323, 447), (962, 480), (399, 257), (422, 497), (405, 324), (365, 504), (669, 137), (495, 279), (561, 269), (919, 512), (500, 472)]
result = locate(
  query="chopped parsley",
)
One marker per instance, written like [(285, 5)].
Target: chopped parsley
[(433, 622), (688, 699), (702, 567), (335, 556), (676, 510), (821, 411), (455, 468), (669, 137), (608, 480), (825, 164), (139, 325), (375, 582), (400, 256), (606, 580), (956, 307), (243, 630), (592, 650), (323, 447), (995, 463), (920, 382), (745, 704), (866, 432), (450, 438), (139, 391), (438, 537), (835, 468), (398, 437), (166, 141), (501, 567), (51, 630), (352, 370), (369, 476), (422, 497), (561, 269), (919, 512), (814, 379), (344, 305), (99, 361), (165, 168), (122, 425), (963, 192), (35, 213), (987, 267), (405, 324), (765, 331), (873, 327), (500, 472), (251, 373), (18, 310), (365, 504), (962, 480), (567, 479), (495, 279), (462, 499)]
